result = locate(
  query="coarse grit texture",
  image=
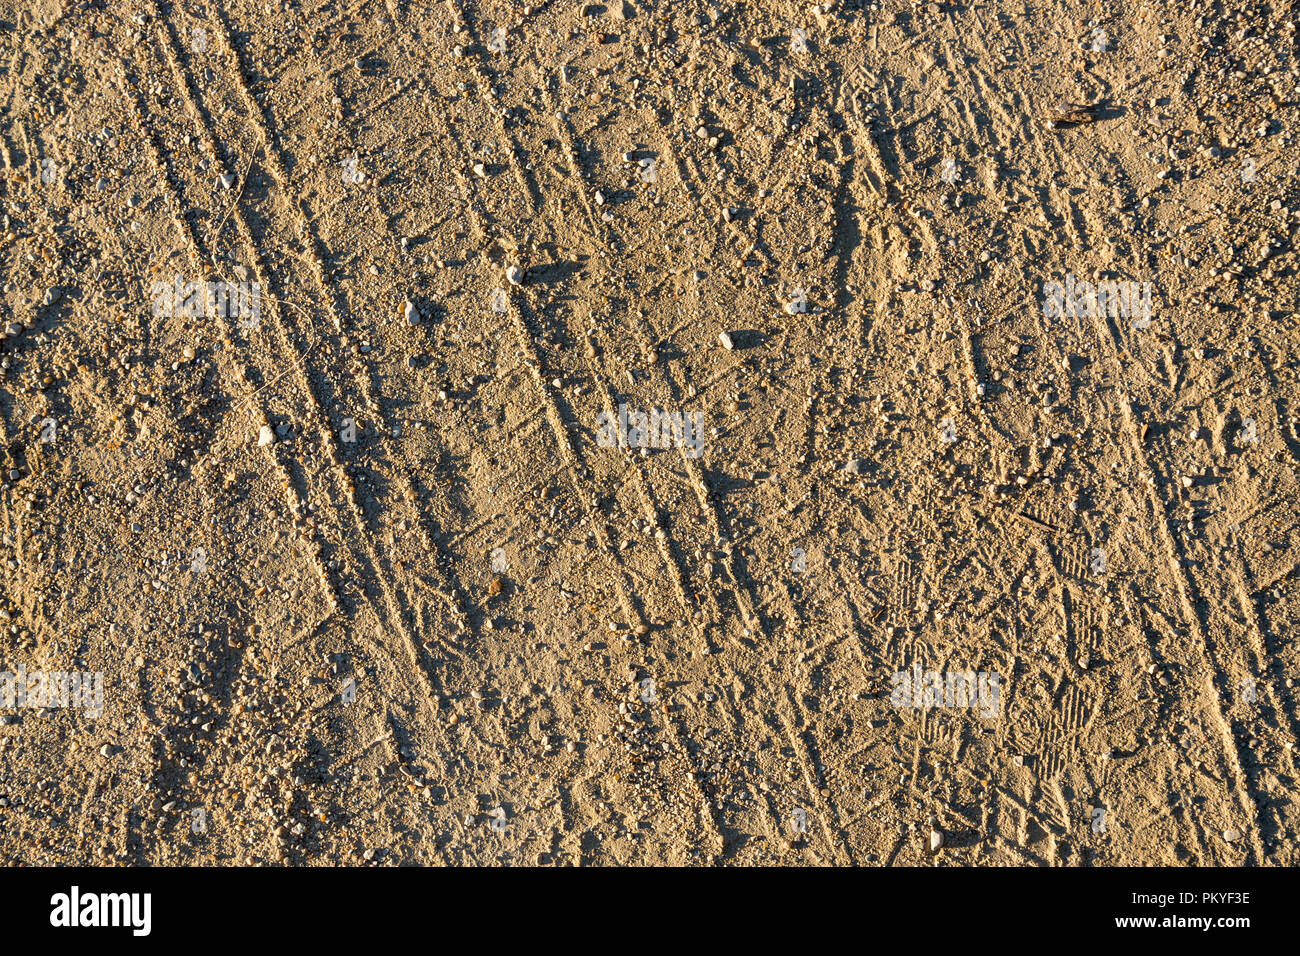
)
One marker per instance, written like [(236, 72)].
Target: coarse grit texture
[(648, 433)]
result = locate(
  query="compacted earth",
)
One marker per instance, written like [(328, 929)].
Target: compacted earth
[(649, 433)]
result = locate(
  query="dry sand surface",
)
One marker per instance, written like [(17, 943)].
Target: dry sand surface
[(328, 330)]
